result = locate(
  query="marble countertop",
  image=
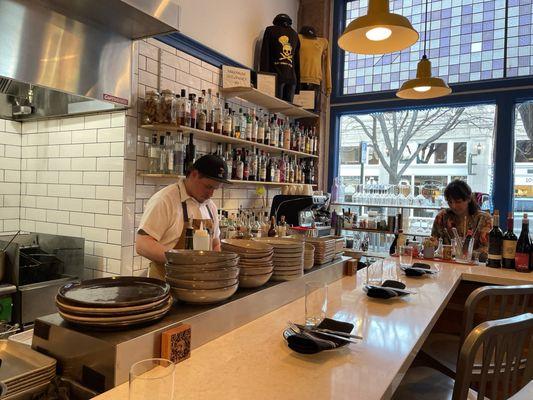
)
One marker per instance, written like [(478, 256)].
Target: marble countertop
[(254, 361)]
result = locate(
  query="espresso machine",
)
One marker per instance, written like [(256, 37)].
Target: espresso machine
[(300, 211)]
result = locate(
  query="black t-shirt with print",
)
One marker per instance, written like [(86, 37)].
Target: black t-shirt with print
[(280, 53)]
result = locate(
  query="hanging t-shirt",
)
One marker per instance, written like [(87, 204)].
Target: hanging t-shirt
[(314, 58), (280, 53)]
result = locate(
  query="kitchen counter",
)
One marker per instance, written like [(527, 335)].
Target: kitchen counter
[(254, 361)]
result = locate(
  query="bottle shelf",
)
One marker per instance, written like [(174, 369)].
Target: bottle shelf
[(219, 138), (234, 181), (387, 232), (271, 103), (387, 206)]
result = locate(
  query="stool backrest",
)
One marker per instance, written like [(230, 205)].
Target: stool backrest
[(504, 343)]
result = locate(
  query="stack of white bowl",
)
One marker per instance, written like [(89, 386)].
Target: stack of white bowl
[(288, 258), (202, 277), (255, 261)]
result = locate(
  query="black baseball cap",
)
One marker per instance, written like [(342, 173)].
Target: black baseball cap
[(212, 167)]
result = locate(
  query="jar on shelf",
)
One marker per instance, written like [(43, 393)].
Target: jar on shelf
[(167, 108), (150, 106)]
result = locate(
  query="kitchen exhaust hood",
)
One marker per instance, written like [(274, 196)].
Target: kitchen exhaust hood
[(66, 57)]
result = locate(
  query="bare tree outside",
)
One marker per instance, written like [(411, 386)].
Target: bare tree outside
[(393, 134)]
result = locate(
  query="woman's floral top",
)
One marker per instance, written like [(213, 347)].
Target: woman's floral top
[(447, 219)]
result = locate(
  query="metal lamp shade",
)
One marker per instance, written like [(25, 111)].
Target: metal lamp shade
[(437, 86), (402, 35)]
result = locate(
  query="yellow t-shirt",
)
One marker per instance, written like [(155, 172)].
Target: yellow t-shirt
[(314, 56)]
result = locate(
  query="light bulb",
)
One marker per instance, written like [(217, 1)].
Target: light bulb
[(377, 34), (422, 88)]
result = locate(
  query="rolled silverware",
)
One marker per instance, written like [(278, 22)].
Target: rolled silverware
[(323, 330), (306, 330)]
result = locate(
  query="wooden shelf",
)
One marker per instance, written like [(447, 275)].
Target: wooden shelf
[(273, 104), (234, 181), (367, 230), (219, 138), (386, 206)]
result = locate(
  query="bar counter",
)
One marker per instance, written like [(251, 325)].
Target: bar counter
[(253, 361)]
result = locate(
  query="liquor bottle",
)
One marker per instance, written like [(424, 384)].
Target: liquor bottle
[(209, 111), (187, 111), (263, 168), (228, 156), (272, 229), (255, 127), (218, 121), (246, 165), (276, 174), (227, 122), (154, 155), (282, 227), (394, 244), (249, 126), (194, 109), (244, 122), (240, 167), (266, 138), (236, 121), (252, 176), (189, 236), (287, 136), (178, 154), (269, 169), (169, 149), (163, 162), (282, 169), (494, 258), (260, 130), (523, 248), (274, 131), (190, 155), (202, 115), (509, 244)]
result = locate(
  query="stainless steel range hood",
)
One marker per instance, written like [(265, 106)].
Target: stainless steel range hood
[(64, 57)]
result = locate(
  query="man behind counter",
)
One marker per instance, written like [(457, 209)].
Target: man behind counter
[(169, 211)]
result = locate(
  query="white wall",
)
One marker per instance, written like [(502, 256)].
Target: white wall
[(10, 142), (232, 27)]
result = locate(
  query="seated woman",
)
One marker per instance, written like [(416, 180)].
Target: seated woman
[(464, 215)]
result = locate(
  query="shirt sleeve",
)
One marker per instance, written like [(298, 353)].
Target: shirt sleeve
[(155, 218)]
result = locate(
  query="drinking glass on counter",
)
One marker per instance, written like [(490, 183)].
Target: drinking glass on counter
[(406, 255), (316, 302), (374, 273), (152, 379)]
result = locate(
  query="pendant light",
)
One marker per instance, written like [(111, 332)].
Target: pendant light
[(424, 86), (378, 32)]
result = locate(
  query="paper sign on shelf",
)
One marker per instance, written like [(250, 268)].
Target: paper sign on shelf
[(235, 77), (266, 83), (306, 99)]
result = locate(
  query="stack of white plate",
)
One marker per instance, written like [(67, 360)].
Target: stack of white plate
[(288, 258), (25, 372), (202, 277), (325, 249), (255, 261), (114, 303)]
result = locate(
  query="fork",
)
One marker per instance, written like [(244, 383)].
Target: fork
[(307, 330), (323, 330)]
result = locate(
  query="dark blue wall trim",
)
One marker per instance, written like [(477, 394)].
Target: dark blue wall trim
[(196, 49)]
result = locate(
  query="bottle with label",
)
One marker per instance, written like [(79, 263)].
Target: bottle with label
[(509, 244), (202, 115), (169, 149), (274, 131), (154, 155), (163, 154), (282, 227), (236, 121), (494, 258), (263, 168), (189, 236), (249, 125), (260, 130), (246, 165), (228, 156), (272, 229), (201, 239), (209, 112), (194, 109), (218, 116), (227, 122), (239, 172), (178, 154), (523, 248), (287, 136), (253, 166), (266, 138)]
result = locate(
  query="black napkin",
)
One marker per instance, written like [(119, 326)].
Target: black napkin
[(414, 270), (386, 290), (311, 343)]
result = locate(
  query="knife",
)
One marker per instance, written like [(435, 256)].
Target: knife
[(323, 330), (307, 330)]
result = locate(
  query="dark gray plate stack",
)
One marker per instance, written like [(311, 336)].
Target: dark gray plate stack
[(114, 303)]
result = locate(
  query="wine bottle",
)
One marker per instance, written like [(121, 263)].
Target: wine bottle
[(190, 155), (495, 242), (272, 230), (509, 244), (523, 248), (394, 245)]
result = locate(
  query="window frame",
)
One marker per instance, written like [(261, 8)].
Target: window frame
[(504, 93)]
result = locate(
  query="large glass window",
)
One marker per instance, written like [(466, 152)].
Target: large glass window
[(430, 134), (466, 42), (523, 168)]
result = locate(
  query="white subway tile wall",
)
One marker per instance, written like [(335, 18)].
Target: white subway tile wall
[(10, 175), (71, 174), (178, 71)]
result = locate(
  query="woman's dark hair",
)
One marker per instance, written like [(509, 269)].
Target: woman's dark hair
[(459, 190)]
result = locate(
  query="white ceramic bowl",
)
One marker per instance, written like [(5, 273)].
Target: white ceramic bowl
[(201, 275), (197, 284), (188, 257), (204, 296), (253, 281)]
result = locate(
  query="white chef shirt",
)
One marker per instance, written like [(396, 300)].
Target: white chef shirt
[(163, 215)]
